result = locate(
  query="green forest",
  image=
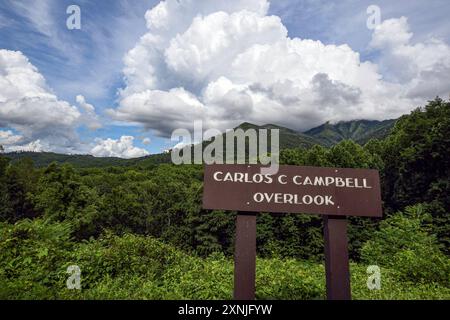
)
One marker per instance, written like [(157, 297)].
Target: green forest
[(137, 229)]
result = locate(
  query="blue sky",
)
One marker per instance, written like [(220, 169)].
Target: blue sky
[(90, 61)]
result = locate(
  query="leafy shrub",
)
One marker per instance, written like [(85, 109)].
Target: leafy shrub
[(290, 279), (392, 288), (32, 255), (403, 244)]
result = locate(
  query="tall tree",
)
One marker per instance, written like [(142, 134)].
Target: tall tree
[(417, 162)]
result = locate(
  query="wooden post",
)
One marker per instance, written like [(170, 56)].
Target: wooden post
[(245, 256), (336, 258)]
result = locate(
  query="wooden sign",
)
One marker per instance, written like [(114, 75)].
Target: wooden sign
[(332, 192), (294, 189)]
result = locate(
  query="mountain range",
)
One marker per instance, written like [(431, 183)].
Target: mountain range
[(327, 135)]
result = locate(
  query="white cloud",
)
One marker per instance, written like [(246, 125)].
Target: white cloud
[(391, 33), (422, 68), (225, 62), (146, 141), (30, 107), (403, 61), (122, 148), (8, 137), (89, 108), (144, 64), (209, 46), (89, 117), (33, 146)]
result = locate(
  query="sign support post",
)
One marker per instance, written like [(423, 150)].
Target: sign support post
[(336, 258), (245, 256)]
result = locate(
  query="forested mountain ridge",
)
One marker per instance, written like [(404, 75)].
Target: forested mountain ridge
[(42, 159), (288, 138), (326, 135), (359, 131)]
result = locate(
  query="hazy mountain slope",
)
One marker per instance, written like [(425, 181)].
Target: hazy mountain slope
[(359, 131), (42, 159), (288, 137), (326, 134)]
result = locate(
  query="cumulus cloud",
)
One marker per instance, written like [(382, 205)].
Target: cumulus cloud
[(228, 61), (9, 138), (89, 118), (423, 68), (169, 109), (28, 106), (122, 148), (33, 146)]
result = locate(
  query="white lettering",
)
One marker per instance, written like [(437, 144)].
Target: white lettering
[(281, 198), (238, 177), (307, 199), (318, 200), (329, 180), (328, 201), (318, 181), (278, 198), (340, 182), (215, 176), (349, 182), (307, 181), (281, 179), (258, 197), (365, 184), (295, 180), (288, 198)]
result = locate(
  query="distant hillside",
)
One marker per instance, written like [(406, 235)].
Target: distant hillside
[(326, 134), (288, 138), (359, 131), (42, 159), (45, 158)]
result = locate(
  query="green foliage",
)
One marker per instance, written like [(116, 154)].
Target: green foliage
[(44, 159), (31, 255), (61, 196), (392, 288), (403, 244), (346, 154), (5, 203), (417, 161), (359, 131), (34, 257), (290, 235), (290, 279), (17, 183)]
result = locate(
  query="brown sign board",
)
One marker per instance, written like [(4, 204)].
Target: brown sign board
[(293, 189)]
